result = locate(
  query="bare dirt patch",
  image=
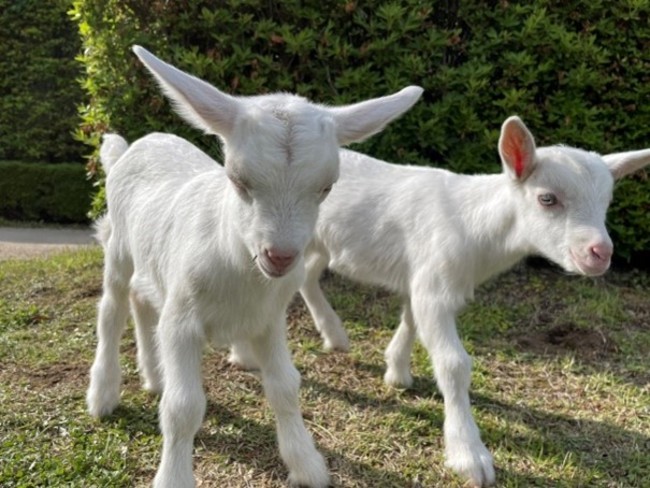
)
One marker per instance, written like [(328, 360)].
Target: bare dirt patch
[(567, 338), (51, 375)]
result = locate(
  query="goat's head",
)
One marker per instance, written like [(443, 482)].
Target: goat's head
[(565, 195), (281, 154)]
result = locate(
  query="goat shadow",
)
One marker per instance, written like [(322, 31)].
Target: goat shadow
[(560, 435), (243, 440)]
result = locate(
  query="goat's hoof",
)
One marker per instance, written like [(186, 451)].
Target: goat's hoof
[(339, 344), (103, 403), (398, 379), (153, 387), (475, 465)]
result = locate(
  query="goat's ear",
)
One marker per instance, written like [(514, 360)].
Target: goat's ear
[(357, 122), (625, 163), (198, 102), (517, 149)]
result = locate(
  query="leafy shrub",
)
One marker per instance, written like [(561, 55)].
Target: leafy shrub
[(46, 192), (577, 73), (38, 81)]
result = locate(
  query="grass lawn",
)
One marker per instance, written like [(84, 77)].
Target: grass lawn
[(560, 389)]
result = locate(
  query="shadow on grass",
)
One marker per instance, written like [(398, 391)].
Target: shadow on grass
[(245, 440), (596, 445), (609, 449), (240, 439)]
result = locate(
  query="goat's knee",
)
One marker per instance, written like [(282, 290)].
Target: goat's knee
[(181, 414), (282, 390), (453, 370)]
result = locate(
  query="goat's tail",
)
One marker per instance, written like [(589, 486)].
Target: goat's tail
[(113, 146), (103, 230)]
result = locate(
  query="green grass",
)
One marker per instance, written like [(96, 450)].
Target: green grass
[(560, 389)]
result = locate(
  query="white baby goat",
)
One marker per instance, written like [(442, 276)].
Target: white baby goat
[(207, 253), (433, 236)]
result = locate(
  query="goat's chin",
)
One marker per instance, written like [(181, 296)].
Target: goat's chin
[(595, 271)]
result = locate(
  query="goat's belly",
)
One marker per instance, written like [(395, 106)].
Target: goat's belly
[(378, 272)]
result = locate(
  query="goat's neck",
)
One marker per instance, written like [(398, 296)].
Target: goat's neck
[(487, 205)]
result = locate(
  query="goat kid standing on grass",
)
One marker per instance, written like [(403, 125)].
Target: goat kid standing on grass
[(433, 236), (206, 253)]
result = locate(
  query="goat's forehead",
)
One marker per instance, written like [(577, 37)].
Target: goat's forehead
[(283, 130), (574, 170)]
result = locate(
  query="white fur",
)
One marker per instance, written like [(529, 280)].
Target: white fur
[(205, 252), (433, 236)]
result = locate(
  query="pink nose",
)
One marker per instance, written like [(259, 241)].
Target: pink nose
[(280, 259), (602, 252)]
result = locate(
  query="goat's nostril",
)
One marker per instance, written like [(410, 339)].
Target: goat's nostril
[(602, 252), (280, 258)]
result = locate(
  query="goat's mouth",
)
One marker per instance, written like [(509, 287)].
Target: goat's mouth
[(588, 267), (271, 271)]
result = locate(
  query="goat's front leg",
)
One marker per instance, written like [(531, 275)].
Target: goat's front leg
[(182, 405), (465, 452), (281, 383), (326, 320), (398, 352)]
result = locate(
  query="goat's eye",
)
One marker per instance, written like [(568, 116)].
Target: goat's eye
[(547, 199)]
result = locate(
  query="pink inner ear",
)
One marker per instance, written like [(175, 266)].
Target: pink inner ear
[(519, 163), (513, 149)]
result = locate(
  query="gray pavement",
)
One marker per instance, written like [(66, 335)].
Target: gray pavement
[(44, 235), (26, 243)]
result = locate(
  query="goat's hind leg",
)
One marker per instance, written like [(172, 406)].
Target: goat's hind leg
[(398, 352), (281, 383), (326, 320), (146, 317), (103, 393), (242, 356)]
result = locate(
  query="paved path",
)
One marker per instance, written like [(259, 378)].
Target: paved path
[(24, 243)]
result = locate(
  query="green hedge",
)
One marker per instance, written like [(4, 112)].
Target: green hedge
[(38, 82), (577, 72), (44, 192)]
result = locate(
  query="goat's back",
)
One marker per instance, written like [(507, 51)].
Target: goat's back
[(372, 223), (152, 173)]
